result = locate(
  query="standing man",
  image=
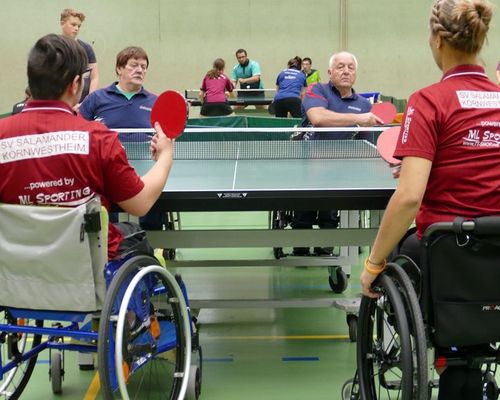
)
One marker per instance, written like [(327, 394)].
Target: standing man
[(312, 75), (84, 158), (126, 104), (332, 104), (247, 74), (71, 22)]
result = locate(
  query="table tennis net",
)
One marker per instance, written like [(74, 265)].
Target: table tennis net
[(260, 150)]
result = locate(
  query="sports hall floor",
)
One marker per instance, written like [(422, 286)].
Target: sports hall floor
[(266, 354)]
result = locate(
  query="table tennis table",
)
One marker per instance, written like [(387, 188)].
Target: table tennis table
[(268, 175), (240, 97), (213, 173)]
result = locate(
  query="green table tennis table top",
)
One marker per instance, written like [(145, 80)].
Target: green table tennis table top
[(255, 175)]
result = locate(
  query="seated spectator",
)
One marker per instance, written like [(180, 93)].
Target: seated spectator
[(290, 88), (214, 90)]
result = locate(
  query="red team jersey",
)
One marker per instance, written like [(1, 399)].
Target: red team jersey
[(48, 155), (455, 123)]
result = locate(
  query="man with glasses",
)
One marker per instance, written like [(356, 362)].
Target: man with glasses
[(126, 104), (332, 104)]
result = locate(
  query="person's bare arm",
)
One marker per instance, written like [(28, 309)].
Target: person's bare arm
[(252, 79), (322, 117), (399, 214), (94, 77), (155, 179)]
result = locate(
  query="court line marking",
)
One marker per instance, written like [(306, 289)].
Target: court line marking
[(94, 388), (310, 358), (287, 337), (236, 165)]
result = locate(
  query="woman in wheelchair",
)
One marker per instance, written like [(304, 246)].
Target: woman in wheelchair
[(449, 145)]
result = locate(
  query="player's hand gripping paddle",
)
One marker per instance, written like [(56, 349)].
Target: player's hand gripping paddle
[(385, 111), (386, 144), (171, 111)]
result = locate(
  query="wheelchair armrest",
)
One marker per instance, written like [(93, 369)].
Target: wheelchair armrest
[(489, 225)]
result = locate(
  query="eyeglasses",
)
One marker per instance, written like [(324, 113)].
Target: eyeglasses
[(134, 66), (85, 74)]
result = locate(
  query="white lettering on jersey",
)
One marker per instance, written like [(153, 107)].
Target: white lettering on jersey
[(43, 145), (477, 138), (477, 99), (409, 116)]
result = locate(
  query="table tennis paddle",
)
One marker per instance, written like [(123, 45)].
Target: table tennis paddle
[(386, 144), (171, 111), (385, 111)]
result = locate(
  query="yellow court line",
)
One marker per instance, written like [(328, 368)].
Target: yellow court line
[(290, 337), (94, 388)]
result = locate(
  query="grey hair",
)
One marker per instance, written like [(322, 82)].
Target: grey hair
[(332, 58)]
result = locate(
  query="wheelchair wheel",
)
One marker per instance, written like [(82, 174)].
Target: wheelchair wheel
[(350, 390), (144, 346), (56, 371), (384, 355), (352, 323), (422, 387), (279, 220), (12, 347), (337, 279)]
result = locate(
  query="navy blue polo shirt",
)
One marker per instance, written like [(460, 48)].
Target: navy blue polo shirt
[(327, 96), (114, 110), (290, 83)]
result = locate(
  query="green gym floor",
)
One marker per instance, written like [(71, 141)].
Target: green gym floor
[(266, 354)]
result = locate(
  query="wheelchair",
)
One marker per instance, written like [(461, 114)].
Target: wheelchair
[(337, 278), (59, 293), (445, 313)]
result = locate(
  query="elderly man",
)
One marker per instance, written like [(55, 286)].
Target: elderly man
[(332, 104), (126, 104)]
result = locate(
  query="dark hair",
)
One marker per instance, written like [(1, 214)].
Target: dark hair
[(241, 51), (307, 59), (295, 62), (462, 23), (217, 68), (53, 63), (130, 52)]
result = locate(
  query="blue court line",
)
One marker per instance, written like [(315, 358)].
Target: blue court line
[(218, 359), (285, 359), (42, 361)]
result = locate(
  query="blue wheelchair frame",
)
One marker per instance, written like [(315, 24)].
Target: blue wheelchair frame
[(87, 333)]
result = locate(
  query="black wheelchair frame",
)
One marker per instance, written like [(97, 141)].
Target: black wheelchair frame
[(425, 311)]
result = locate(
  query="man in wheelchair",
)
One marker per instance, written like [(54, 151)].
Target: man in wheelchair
[(449, 146), (53, 260), (52, 156)]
